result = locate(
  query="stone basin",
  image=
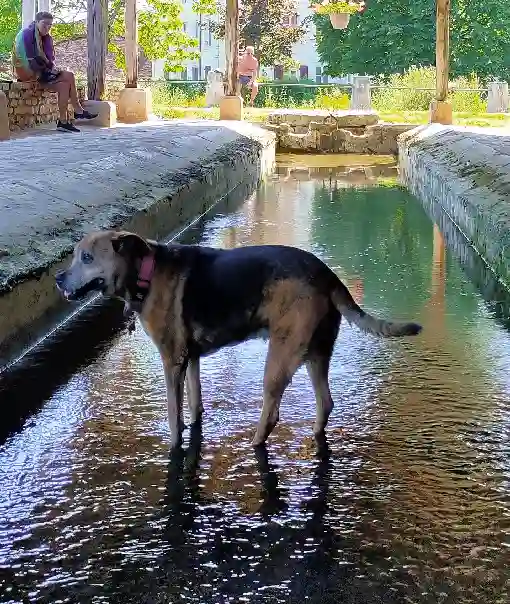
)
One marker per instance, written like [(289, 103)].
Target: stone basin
[(343, 119)]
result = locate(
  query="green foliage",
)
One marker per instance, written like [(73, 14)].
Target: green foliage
[(414, 90), (10, 23), (391, 36), (68, 31), (261, 26), (160, 33), (327, 7)]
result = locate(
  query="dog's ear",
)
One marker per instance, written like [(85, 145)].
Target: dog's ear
[(130, 245)]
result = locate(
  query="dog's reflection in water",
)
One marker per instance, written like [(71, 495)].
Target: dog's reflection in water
[(185, 497)]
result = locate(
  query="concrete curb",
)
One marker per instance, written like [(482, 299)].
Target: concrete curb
[(466, 172), (162, 202)]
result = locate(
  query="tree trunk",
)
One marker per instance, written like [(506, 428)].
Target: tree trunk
[(97, 20), (232, 47), (131, 44), (442, 48)]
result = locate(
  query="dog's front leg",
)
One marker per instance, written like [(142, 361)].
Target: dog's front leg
[(194, 390), (174, 378)]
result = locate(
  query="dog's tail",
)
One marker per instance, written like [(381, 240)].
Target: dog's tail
[(345, 304)]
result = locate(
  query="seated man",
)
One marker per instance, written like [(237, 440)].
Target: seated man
[(33, 60), (248, 68)]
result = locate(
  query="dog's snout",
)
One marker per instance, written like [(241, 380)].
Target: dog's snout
[(60, 277)]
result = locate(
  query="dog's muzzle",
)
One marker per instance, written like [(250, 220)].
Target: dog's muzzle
[(97, 284)]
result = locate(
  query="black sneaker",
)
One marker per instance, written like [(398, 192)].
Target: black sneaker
[(66, 127), (86, 115)]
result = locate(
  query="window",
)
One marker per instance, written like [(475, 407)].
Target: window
[(184, 27), (195, 76), (303, 72), (278, 72), (325, 79), (197, 29), (290, 20), (318, 75), (184, 74), (207, 69)]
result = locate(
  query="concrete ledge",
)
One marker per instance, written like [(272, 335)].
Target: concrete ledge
[(5, 132), (106, 113), (465, 171), (151, 178)]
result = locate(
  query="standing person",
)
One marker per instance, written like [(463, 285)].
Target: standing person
[(33, 60), (248, 71)]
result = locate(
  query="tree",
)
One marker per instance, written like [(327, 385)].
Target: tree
[(267, 25), (392, 36), (10, 22), (160, 33)]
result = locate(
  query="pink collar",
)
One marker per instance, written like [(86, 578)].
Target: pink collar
[(143, 282), (146, 272)]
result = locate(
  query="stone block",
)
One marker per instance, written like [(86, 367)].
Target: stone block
[(231, 108), (134, 105), (106, 113), (4, 118), (302, 118), (441, 112)]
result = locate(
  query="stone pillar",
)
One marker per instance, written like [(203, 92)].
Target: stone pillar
[(4, 118), (28, 8), (361, 97), (498, 99)]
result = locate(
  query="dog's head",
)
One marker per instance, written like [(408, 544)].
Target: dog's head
[(103, 262)]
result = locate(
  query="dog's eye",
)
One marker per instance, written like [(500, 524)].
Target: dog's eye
[(87, 258)]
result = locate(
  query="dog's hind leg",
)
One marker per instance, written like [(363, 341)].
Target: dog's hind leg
[(317, 365), (281, 364), (194, 390)]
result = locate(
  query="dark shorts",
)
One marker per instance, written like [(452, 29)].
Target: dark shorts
[(244, 79)]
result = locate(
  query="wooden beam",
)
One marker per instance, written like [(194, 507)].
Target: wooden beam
[(131, 44), (442, 48), (232, 47), (97, 23)]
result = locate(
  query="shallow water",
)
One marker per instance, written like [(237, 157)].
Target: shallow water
[(411, 505)]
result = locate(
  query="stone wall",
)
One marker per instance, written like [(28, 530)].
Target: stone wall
[(28, 104), (465, 174), (318, 131)]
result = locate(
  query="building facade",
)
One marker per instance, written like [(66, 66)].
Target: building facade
[(212, 51)]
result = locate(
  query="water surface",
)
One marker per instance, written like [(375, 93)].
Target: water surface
[(413, 503)]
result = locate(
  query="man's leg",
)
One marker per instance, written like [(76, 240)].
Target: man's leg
[(254, 91)]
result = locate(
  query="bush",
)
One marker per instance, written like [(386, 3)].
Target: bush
[(402, 92), (178, 94), (390, 98), (469, 102)]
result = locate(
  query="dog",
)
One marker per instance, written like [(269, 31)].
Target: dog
[(193, 300)]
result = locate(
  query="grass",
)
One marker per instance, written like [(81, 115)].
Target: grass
[(257, 115)]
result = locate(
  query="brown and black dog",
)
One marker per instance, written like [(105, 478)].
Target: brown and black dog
[(194, 300)]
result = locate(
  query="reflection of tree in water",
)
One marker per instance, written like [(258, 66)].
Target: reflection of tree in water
[(379, 234)]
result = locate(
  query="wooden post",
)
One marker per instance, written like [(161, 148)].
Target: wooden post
[(44, 5), (232, 46), (441, 109), (231, 105), (97, 19), (131, 45), (28, 10)]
